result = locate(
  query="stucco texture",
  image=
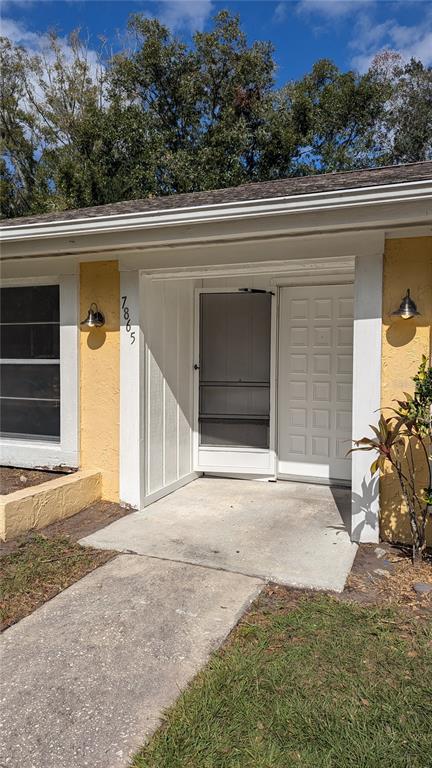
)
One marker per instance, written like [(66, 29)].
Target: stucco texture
[(100, 374), (34, 508), (407, 264)]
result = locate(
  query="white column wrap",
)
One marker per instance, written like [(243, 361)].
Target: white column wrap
[(366, 392)]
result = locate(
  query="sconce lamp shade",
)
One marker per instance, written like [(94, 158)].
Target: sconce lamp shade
[(94, 318), (408, 307)]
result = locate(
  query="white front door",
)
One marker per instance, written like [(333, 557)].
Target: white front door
[(315, 382), (233, 431)]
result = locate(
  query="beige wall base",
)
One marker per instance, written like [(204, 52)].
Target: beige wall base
[(38, 506)]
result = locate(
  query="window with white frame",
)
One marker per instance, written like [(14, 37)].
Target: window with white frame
[(30, 363)]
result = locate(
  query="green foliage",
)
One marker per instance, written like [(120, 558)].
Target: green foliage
[(404, 441), (415, 410), (163, 117), (318, 685), (404, 130)]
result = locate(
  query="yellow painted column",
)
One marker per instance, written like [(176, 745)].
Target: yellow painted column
[(100, 374), (407, 264)]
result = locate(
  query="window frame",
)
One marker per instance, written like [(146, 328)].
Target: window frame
[(27, 452)]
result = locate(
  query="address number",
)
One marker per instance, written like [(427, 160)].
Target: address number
[(126, 316)]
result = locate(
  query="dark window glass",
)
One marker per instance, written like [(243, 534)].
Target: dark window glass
[(234, 405), (234, 400), (30, 418), (229, 433), (30, 304), (30, 342), (30, 392), (25, 380)]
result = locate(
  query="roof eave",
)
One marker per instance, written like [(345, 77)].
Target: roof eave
[(220, 212)]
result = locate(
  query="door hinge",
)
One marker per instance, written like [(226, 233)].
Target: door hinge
[(255, 290)]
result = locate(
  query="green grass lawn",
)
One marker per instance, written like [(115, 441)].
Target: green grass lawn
[(319, 684), (40, 568)]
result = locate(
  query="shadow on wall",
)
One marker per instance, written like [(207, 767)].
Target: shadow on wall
[(363, 507), (394, 518), (401, 332), (96, 338)]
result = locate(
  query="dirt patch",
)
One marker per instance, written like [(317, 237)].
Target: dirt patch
[(38, 565), (89, 520), (383, 574), (38, 570), (15, 479)]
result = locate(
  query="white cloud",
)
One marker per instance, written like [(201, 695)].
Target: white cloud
[(184, 14), (368, 36), (409, 41), (38, 42), (280, 13), (11, 5), (19, 34), (330, 9)]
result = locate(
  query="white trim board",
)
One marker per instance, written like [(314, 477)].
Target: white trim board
[(131, 444), (368, 285), (216, 459), (43, 453)]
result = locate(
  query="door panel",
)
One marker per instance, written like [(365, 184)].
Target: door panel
[(315, 381), (234, 382)]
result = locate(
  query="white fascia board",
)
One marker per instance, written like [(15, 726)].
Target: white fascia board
[(219, 212)]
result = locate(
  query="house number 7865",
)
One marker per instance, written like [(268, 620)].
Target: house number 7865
[(126, 316)]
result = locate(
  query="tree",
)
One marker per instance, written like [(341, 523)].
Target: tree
[(163, 116), (204, 108), (52, 116), (19, 139), (404, 131), (335, 113)]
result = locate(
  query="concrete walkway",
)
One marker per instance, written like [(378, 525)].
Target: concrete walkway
[(291, 533), (85, 678)]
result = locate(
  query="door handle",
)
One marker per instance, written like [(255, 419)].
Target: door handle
[(196, 367)]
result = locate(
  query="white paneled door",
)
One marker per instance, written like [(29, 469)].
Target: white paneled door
[(315, 382)]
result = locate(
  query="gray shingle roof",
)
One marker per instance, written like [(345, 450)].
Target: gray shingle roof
[(302, 185)]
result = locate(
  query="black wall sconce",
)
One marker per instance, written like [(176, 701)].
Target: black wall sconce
[(95, 318), (407, 308)]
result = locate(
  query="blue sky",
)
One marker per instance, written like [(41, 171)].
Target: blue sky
[(348, 31)]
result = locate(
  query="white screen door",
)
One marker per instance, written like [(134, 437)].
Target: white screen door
[(315, 382), (233, 383)]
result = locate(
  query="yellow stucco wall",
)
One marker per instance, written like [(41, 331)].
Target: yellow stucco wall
[(407, 264), (100, 374)]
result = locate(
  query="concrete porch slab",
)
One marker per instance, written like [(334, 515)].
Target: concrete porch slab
[(86, 676), (290, 533)]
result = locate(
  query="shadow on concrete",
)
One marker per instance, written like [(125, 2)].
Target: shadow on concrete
[(342, 499)]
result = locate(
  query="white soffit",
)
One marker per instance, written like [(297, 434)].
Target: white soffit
[(386, 206)]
